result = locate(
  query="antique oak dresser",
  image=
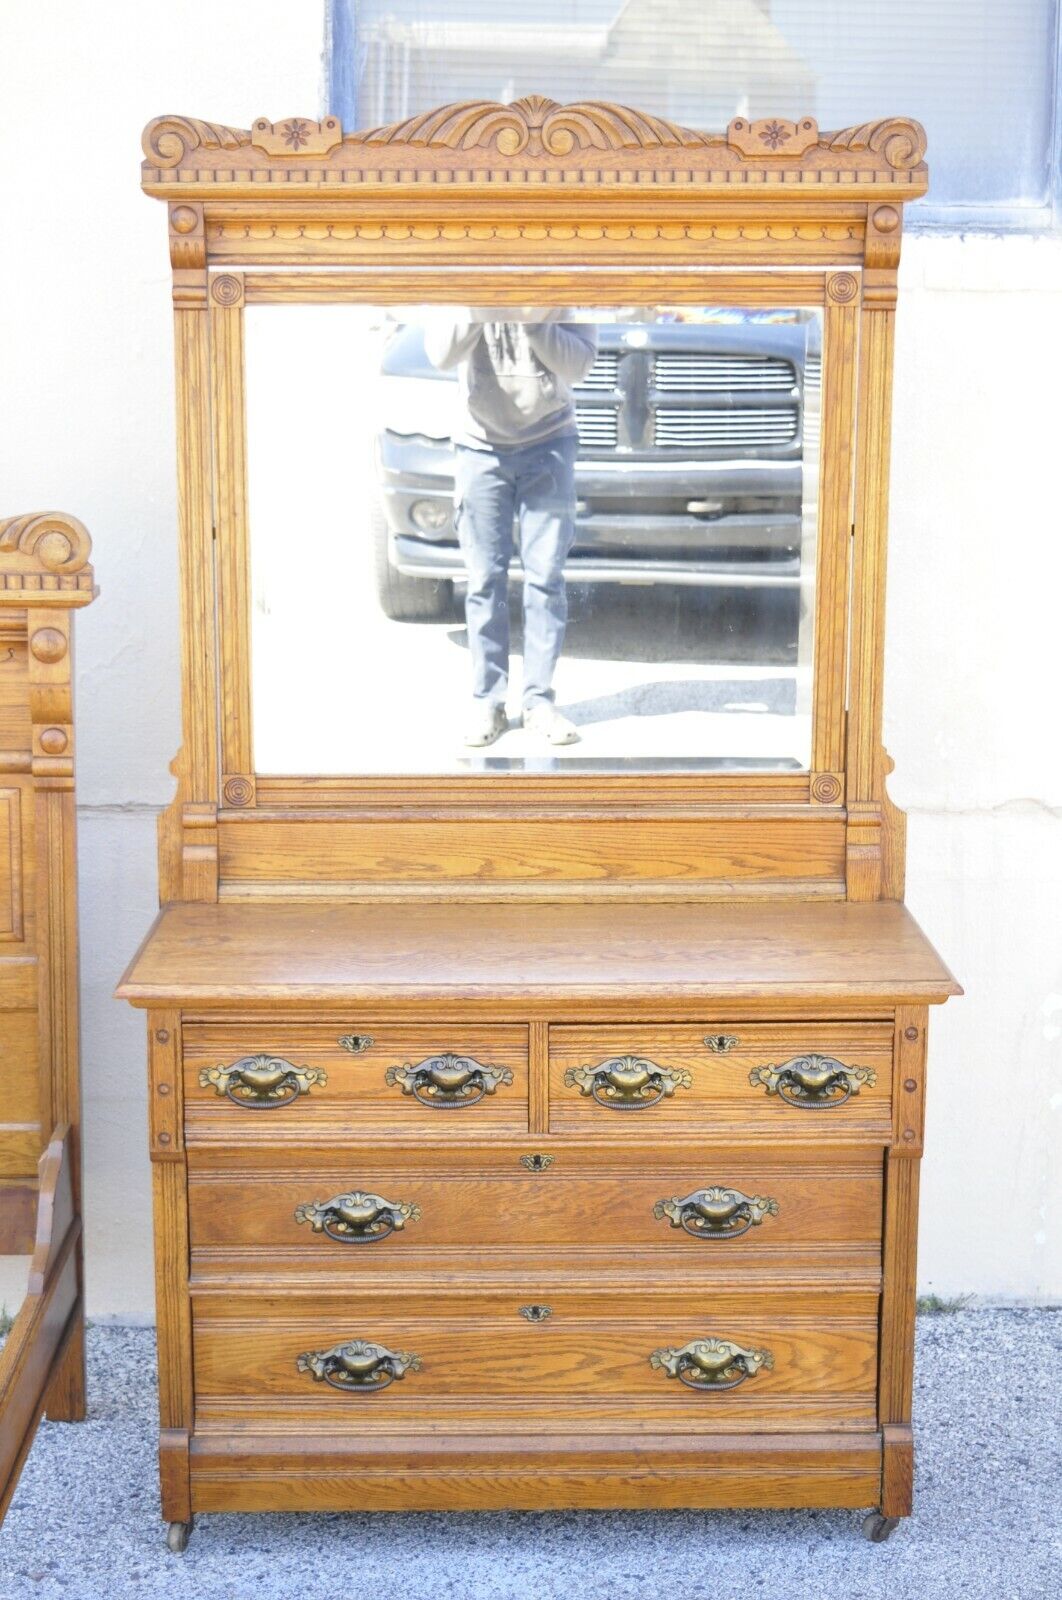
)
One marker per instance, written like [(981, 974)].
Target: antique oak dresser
[(544, 1137)]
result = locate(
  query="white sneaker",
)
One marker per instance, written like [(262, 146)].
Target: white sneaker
[(486, 723), (545, 720)]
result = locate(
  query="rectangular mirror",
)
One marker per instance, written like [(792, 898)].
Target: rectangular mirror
[(610, 511)]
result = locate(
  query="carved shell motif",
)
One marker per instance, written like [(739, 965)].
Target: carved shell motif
[(57, 542), (539, 126), (899, 140), (167, 140)]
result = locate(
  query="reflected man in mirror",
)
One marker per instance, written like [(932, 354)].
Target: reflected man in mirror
[(515, 465)]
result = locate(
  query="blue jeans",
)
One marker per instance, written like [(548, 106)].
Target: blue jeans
[(492, 489)]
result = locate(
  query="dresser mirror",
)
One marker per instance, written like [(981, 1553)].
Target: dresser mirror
[(677, 633)]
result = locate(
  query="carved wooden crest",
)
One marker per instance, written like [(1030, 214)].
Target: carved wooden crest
[(46, 551), (539, 126), (534, 131)]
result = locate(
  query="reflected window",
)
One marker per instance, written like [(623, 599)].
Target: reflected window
[(965, 68)]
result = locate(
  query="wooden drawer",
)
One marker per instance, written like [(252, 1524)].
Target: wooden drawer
[(456, 1079), (759, 1080), (810, 1359), (408, 1210)]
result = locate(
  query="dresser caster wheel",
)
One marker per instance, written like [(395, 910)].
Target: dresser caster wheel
[(877, 1528), (177, 1535)]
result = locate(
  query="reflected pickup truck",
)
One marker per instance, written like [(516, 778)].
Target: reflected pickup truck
[(689, 469)]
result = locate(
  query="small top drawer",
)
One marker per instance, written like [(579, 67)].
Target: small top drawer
[(331, 1079), (788, 1080)]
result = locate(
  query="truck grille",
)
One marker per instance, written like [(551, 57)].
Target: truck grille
[(692, 369), (602, 374), (597, 425), (681, 427)]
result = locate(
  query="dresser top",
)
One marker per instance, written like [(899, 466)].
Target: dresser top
[(199, 954)]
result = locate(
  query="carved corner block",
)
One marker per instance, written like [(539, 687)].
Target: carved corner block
[(842, 288), (768, 137), (188, 254), (226, 290), (827, 788), (296, 136), (238, 791)]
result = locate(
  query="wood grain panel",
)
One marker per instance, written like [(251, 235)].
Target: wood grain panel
[(721, 1098), (652, 956), (592, 1357), (19, 1091), (10, 864), (325, 1471), (527, 851), (356, 1096), (828, 1211)]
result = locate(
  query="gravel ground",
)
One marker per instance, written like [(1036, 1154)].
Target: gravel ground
[(85, 1521)]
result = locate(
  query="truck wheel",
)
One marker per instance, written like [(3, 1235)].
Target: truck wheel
[(405, 599)]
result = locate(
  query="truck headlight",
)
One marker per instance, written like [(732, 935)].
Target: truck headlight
[(430, 516)]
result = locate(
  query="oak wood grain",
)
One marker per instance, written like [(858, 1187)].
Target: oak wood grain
[(214, 955), (241, 1470), (820, 1208), (356, 1094), (720, 1097)]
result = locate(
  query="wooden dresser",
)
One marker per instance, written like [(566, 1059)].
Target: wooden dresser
[(545, 1139)]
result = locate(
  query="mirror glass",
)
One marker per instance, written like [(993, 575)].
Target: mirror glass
[(532, 539)]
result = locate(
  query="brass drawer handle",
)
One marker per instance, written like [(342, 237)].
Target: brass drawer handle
[(711, 1364), (537, 1162), (721, 1043), (628, 1083), (813, 1082), (716, 1213), (358, 1367), (448, 1080), (357, 1218), (262, 1082), (356, 1043), (536, 1313)]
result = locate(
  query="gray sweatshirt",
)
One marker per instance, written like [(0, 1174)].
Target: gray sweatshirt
[(515, 376)]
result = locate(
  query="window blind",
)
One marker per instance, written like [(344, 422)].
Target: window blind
[(979, 73)]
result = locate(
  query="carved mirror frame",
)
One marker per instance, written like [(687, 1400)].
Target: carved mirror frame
[(619, 206)]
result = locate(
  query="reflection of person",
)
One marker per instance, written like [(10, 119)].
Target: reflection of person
[(515, 460)]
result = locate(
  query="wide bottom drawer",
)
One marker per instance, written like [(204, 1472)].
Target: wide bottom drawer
[(735, 1360)]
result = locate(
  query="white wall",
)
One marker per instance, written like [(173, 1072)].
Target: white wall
[(88, 428), (973, 594)]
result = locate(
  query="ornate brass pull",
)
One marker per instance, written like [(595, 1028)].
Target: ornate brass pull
[(711, 1364), (357, 1218), (448, 1080), (262, 1083), (813, 1082), (628, 1083), (356, 1043), (716, 1213), (537, 1162), (358, 1367), (536, 1313), (720, 1043)]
